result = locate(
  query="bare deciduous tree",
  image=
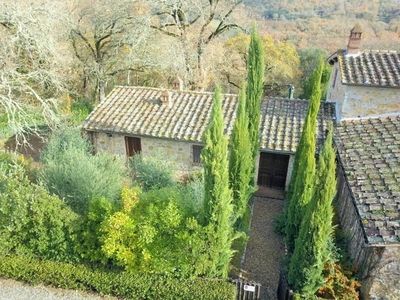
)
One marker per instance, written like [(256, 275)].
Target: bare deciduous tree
[(195, 24), (32, 75), (107, 37)]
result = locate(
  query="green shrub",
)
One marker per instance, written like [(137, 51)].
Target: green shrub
[(75, 175), (9, 160), (153, 172), (112, 282), (89, 237), (280, 224), (192, 196), (31, 220), (80, 109), (4, 125), (151, 233), (246, 219), (62, 141)]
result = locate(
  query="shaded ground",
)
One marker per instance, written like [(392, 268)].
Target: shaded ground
[(30, 149), (265, 249)]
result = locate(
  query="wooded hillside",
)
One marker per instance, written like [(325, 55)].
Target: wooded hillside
[(56, 53), (327, 23)]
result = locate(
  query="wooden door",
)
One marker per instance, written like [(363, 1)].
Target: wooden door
[(272, 170), (133, 145)]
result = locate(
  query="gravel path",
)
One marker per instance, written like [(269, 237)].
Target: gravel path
[(265, 249), (15, 290)]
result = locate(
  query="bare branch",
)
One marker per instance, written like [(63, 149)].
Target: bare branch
[(165, 31), (32, 74)]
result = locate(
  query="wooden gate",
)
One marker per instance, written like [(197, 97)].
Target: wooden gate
[(247, 290), (272, 170)]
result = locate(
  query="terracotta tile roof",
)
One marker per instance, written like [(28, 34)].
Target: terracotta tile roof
[(370, 68), (282, 122), (138, 111), (370, 152)]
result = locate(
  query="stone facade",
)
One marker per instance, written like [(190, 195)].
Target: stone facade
[(336, 90), (383, 283), (379, 264), (102, 142), (177, 151), (359, 101), (360, 98)]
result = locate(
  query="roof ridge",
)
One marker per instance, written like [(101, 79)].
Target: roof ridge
[(170, 89), (198, 92), (379, 51)]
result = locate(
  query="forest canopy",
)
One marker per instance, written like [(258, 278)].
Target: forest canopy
[(57, 53)]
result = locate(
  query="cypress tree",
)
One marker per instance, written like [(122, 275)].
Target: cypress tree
[(217, 205), (303, 174), (308, 84), (254, 91), (240, 162), (311, 250)]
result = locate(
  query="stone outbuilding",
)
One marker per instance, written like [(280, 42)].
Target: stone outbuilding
[(365, 87)]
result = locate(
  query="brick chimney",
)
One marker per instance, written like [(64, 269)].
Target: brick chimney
[(353, 46), (165, 98), (177, 84)]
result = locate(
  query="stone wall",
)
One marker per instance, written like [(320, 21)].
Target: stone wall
[(384, 278), (336, 90), (362, 101), (102, 142), (379, 265), (356, 101), (180, 152)]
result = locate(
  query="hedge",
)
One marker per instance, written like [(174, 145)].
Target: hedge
[(112, 282)]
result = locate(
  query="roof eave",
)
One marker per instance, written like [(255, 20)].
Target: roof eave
[(372, 85)]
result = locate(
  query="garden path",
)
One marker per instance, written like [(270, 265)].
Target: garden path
[(265, 249)]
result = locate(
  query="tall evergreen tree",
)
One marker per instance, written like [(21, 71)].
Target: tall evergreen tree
[(254, 90), (217, 206), (303, 174), (240, 162), (308, 84), (311, 251)]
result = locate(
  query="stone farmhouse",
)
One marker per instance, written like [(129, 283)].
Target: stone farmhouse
[(365, 88), (363, 101), (147, 120)]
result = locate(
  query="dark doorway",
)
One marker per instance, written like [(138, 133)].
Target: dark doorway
[(272, 170), (133, 145)]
